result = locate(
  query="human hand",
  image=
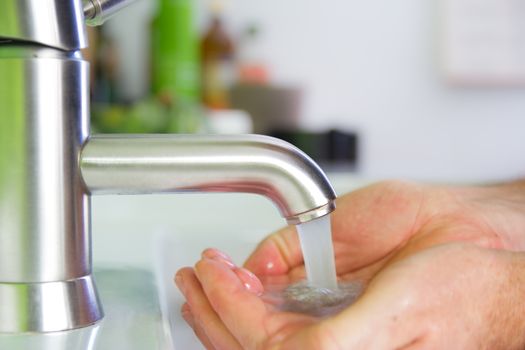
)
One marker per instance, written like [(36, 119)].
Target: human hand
[(394, 237)]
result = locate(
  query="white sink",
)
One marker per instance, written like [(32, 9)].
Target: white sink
[(170, 259), (164, 233)]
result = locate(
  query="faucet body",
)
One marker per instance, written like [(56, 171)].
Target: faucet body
[(50, 166), (44, 206)]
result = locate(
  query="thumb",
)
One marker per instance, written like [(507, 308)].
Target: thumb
[(277, 254)]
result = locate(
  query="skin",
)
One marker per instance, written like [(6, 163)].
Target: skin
[(443, 268)]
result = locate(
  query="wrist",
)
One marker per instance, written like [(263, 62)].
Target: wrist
[(503, 206), (509, 206)]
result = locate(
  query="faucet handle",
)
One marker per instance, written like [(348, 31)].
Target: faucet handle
[(96, 12)]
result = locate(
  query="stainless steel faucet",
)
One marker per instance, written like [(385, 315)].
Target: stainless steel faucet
[(50, 166)]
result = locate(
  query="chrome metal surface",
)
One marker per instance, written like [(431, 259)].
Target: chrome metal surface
[(54, 23), (96, 12), (44, 209), (48, 306), (136, 164)]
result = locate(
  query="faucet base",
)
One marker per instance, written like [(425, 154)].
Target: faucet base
[(49, 306)]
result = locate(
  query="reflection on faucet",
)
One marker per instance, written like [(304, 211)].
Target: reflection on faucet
[(49, 169)]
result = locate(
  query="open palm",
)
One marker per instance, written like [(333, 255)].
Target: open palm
[(405, 242)]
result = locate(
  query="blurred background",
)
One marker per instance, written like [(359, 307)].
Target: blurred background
[(424, 90)]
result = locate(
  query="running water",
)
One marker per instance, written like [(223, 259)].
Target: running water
[(318, 252), (320, 295)]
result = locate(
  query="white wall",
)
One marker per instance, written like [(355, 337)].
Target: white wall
[(374, 66)]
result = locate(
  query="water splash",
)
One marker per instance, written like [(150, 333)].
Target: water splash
[(304, 298)]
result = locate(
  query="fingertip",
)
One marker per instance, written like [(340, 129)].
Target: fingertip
[(212, 253), (209, 269), (179, 281), (214, 267), (188, 318), (267, 259), (201, 265), (186, 314), (215, 276), (185, 308), (217, 255), (183, 271), (179, 278)]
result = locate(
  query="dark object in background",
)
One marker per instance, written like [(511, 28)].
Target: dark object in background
[(333, 150)]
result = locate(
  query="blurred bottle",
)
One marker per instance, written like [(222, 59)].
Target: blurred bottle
[(252, 69), (175, 64), (218, 61)]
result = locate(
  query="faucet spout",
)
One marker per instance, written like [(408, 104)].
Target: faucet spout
[(140, 164)]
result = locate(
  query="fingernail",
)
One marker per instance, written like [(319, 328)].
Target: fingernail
[(224, 261), (217, 255), (212, 253), (249, 280)]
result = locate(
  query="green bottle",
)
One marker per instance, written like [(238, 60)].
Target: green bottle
[(175, 64)]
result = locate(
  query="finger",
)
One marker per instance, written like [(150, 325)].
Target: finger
[(248, 279), (251, 283), (253, 323), (216, 254), (243, 312), (185, 312), (205, 318), (197, 329), (278, 254)]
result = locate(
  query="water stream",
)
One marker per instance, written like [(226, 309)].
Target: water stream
[(318, 252), (320, 295)]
